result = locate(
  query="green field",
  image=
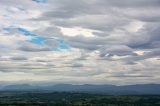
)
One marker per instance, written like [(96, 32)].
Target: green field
[(74, 99)]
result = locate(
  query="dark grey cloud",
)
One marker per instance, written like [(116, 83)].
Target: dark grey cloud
[(120, 50), (130, 3), (77, 65), (105, 16), (152, 54), (134, 76), (18, 58), (33, 48), (107, 13), (49, 31), (108, 17)]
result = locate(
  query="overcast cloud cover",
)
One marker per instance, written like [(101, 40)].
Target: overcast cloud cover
[(80, 41)]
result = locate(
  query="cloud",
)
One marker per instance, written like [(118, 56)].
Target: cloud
[(19, 58), (77, 65), (120, 50), (33, 48), (82, 41)]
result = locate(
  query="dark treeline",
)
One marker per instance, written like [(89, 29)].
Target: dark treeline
[(74, 99)]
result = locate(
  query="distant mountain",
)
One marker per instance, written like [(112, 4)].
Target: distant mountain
[(139, 89), (18, 87)]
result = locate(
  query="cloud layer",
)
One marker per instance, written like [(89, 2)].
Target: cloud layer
[(82, 41)]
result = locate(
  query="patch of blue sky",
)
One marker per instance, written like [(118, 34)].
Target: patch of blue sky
[(38, 39), (60, 40), (64, 46), (25, 32), (40, 1), (18, 30), (61, 45), (55, 49)]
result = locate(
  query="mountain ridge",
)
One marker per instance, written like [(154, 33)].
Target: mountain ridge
[(138, 89)]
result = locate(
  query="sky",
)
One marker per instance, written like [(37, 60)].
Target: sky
[(80, 41)]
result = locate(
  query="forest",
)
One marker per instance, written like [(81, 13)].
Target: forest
[(22, 98)]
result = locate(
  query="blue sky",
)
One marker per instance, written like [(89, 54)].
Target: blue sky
[(40, 1), (39, 39)]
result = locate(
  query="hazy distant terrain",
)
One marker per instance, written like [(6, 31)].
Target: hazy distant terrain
[(141, 89)]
